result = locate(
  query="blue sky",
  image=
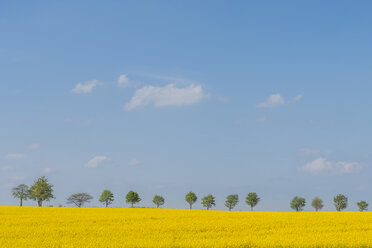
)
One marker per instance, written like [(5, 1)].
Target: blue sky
[(163, 97)]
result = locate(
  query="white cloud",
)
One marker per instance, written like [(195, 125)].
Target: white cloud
[(84, 88), (297, 98), (322, 165), (94, 162), (34, 146), (134, 162), (223, 99), (47, 170), (273, 101), (165, 96), (261, 119), (123, 81), (15, 156), (4, 168)]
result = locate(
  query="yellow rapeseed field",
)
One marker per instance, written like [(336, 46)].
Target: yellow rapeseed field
[(122, 227)]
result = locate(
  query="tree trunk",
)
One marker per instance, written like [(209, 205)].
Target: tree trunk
[(132, 204), (190, 206), (106, 204), (21, 203), (251, 208), (40, 203)]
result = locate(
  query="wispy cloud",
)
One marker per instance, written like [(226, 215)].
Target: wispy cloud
[(47, 170), (15, 156), (34, 146), (322, 165), (4, 168), (297, 98), (273, 101), (168, 95), (123, 81), (276, 100), (97, 160), (85, 88), (134, 162)]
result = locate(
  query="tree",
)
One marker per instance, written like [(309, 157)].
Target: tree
[(79, 199), (107, 197), (191, 198), (340, 202), (317, 203), (41, 191), (158, 200), (132, 198), (231, 201), (298, 203), (21, 192), (363, 206), (208, 201), (252, 199)]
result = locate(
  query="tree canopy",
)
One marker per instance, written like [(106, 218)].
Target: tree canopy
[(363, 206), (41, 191), (21, 192), (107, 197), (208, 201), (317, 203), (252, 200), (79, 199), (132, 198), (191, 198), (298, 203), (231, 201), (158, 200), (340, 202)]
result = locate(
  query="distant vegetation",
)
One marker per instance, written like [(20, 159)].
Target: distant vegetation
[(41, 190)]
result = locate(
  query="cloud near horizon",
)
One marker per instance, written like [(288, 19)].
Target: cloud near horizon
[(123, 81), (272, 101), (276, 100), (15, 156), (168, 95), (85, 88), (322, 165), (97, 160)]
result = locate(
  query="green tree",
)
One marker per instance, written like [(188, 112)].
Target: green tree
[(298, 203), (41, 191), (208, 201), (132, 198), (363, 206), (340, 202), (107, 197), (158, 200), (21, 192), (231, 201), (317, 203), (252, 199), (79, 199), (191, 198)]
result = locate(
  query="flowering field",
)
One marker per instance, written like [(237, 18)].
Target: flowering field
[(122, 227)]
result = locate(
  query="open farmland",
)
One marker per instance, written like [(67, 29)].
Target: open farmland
[(122, 227)]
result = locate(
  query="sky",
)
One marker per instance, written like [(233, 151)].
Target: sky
[(164, 97)]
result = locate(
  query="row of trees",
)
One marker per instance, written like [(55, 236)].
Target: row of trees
[(42, 190), (340, 202)]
